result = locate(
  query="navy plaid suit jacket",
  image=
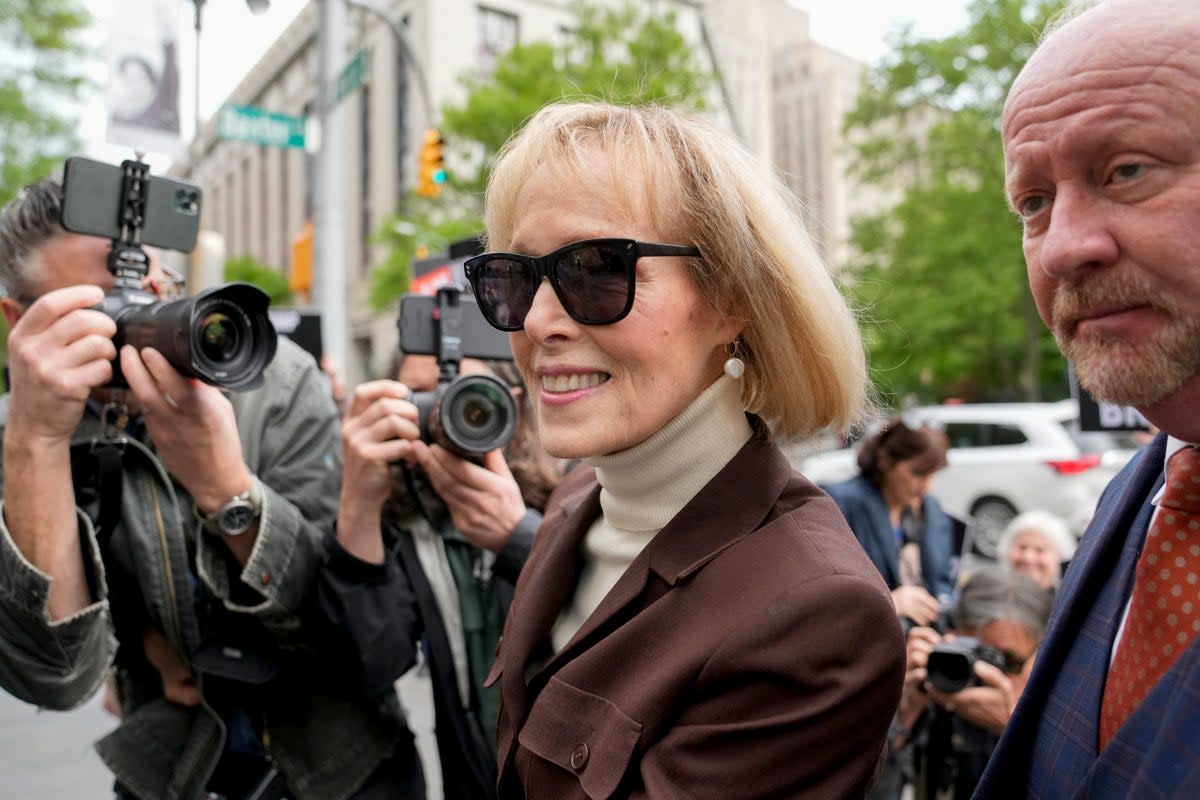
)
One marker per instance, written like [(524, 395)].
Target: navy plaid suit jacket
[(1049, 747)]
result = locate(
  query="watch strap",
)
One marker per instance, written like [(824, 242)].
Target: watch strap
[(252, 497)]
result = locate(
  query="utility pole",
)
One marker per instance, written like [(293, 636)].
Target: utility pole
[(329, 228)]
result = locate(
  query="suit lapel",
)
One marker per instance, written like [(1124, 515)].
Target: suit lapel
[(885, 535), (553, 572), (1062, 702)]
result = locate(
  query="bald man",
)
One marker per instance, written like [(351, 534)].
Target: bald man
[(1101, 135)]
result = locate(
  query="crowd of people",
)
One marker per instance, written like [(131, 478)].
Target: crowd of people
[(637, 595)]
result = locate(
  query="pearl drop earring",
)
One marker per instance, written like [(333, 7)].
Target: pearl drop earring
[(734, 366)]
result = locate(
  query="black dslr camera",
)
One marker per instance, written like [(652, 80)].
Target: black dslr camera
[(951, 665), (222, 335), (469, 415)]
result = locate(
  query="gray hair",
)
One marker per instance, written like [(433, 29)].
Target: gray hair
[(994, 593), (27, 222), (1069, 12), (1049, 525)]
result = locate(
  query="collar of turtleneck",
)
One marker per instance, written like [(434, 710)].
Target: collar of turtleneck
[(643, 487)]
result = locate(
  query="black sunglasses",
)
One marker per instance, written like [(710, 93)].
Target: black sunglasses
[(593, 280)]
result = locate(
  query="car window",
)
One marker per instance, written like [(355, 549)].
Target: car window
[(999, 434), (964, 434)]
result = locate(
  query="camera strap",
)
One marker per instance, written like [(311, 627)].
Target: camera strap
[(109, 480), (97, 472)]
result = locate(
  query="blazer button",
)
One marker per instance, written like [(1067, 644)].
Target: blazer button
[(579, 756)]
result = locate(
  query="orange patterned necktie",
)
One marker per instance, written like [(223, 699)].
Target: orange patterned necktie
[(1164, 608)]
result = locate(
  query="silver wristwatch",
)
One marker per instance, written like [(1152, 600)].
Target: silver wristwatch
[(238, 515)]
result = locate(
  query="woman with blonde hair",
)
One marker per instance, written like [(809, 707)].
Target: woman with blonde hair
[(696, 619)]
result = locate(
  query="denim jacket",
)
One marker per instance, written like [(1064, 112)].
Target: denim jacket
[(323, 745)]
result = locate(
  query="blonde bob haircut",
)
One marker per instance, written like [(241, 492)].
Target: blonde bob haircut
[(805, 364)]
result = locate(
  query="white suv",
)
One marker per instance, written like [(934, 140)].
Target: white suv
[(1006, 458)]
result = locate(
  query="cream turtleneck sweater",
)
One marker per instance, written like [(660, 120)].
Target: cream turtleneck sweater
[(644, 487)]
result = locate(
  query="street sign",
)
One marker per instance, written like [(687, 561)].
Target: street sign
[(253, 124), (353, 75)]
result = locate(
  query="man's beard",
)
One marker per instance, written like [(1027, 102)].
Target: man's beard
[(1118, 369)]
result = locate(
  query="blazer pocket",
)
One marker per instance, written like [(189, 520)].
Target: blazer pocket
[(582, 733)]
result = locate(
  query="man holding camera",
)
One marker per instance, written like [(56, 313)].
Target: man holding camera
[(962, 684), (167, 531), (430, 541)]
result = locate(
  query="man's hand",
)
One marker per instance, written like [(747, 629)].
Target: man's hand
[(989, 706), (915, 698), (378, 431), (178, 682), (485, 502), (916, 604), (192, 426), (59, 350)]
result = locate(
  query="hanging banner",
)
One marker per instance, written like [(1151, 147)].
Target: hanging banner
[(142, 97)]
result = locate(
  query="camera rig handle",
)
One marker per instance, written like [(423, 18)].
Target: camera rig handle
[(447, 318), (127, 261)]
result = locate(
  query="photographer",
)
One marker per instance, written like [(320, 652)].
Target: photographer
[(988, 651), (169, 532), (429, 552)]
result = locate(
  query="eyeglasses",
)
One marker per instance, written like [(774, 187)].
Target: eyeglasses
[(593, 279)]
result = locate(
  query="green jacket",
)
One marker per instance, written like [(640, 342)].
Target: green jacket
[(324, 745)]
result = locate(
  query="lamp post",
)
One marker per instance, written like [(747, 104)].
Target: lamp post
[(329, 233), (329, 227), (256, 7), (397, 26)]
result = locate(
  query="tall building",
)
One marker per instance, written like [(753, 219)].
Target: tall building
[(259, 199), (791, 94), (784, 93)]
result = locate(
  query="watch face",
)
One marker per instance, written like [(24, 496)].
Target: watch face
[(238, 518)]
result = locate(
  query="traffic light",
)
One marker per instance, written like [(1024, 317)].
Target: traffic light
[(431, 174), (301, 274)]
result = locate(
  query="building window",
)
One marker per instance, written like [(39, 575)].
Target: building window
[(285, 209), (364, 99), (401, 135), (310, 171), (497, 35)]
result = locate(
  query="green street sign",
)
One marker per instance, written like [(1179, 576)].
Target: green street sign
[(252, 124), (353, 75)]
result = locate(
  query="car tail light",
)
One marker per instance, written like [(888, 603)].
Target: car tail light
[(1074, 466)]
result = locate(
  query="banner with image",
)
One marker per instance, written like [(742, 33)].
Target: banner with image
[(142, 95)]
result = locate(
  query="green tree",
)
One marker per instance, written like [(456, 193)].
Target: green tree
[(272, 281), (623, 54), (940, 275), (425, 231), (41, 76)]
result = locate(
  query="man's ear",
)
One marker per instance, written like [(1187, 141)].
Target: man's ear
[(12, 310)]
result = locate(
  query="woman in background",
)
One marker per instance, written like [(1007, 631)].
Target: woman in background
[(904, 530)]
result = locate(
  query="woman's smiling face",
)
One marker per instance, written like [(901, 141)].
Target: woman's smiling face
[(601, 389)]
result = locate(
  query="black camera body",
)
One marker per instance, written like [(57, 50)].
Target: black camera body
[(223, 335), (469, 415), (951, 665)]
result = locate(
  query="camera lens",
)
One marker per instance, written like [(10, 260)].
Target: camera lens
[(477, 414), (219, 337)]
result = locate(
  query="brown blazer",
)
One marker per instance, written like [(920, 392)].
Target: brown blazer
[(750, 651)]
